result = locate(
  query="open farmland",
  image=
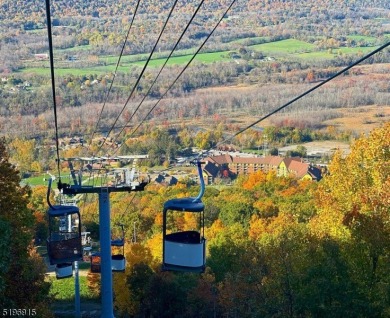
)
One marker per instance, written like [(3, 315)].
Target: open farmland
[(286, 49)]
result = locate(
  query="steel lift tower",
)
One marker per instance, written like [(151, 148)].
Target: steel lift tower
[(123, 180)]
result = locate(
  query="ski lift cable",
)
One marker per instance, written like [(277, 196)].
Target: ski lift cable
[(305, 93), (141, 74), (381, 48), (162, 68), (115, 72), (89, 178), (186, 66), (127, 208), (182, 71), (51, 57)]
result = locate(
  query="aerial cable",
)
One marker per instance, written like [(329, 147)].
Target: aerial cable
[(88, 207), (182, 71), (128, 205), (161, 69), (115, 72), (295, 99), (53, 88), (306, 93), (142, 72)]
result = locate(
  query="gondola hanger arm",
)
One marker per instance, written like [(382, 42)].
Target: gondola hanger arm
[(48, 192)]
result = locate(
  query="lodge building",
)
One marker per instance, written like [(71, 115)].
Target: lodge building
[(228, 166)]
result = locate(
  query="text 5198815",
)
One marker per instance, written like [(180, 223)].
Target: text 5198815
[(14, 312)]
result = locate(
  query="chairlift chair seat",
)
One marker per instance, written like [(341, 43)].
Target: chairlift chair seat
[(64, 270)]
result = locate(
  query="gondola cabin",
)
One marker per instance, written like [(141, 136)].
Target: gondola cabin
[(185, 250), (64, 241), (64, 270), (87, 251), (118, 261), (96, 261)]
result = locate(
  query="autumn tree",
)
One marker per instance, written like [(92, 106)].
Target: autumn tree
[(38, 205), (21, 269), (23, 153), (128, 297), (353, 207), (236, 206)]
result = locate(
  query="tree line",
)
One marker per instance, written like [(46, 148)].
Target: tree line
[(276, 246), (276, 84), (164, 144)]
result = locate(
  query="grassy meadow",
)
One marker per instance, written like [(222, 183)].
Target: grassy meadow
[(64, 289), (290, 48)]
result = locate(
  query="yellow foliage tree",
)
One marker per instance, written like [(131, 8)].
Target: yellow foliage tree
[(254, 179), (23, 153), (154, 244), (212, 231), (135, 254), (354, 199)]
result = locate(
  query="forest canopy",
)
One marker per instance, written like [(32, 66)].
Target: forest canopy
[(276, 246)]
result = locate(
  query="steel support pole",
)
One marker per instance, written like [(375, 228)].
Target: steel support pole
[(105, 252), (77, 290)]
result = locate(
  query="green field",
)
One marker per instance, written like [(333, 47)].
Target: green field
[(35, 181), (370, 39), (253, 39), (68, 71), (64, 289), (43, 180), (184, 59), (125, 65), (289, 48), (330, 54), (75, 49)]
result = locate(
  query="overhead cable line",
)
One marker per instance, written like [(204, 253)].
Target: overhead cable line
[(142, 72), (295, 99), (161, 69), (182, 71), (53, 86), (128, 205), (306, 93), (115, 72)]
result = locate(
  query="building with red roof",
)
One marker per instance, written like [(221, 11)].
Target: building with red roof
[(228, 166)]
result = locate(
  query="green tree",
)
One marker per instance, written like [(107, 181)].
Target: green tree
[(203, 140), (186, 139), (161, 146), (228, 250), (236, 206)]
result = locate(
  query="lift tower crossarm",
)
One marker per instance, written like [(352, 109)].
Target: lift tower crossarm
[(73, 190)]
